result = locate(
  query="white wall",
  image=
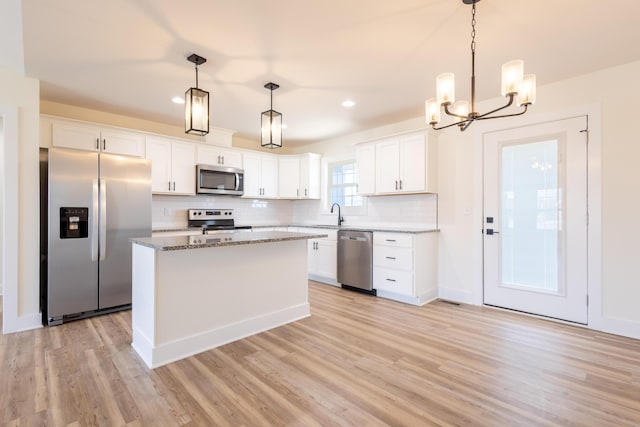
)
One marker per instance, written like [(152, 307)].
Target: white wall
[(1, 199), (23, 93)]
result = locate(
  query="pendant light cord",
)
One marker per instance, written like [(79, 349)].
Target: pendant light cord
[(472, 111), (196, 76)]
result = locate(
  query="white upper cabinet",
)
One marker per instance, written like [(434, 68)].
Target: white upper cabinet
[(218, 156), (89, 137), (260, 175), (172, 166), (403, 164), (310, 176), (366, 164), (299, 176), (288, 177)]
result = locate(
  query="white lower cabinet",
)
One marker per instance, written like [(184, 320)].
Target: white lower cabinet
[(322, 255), (405, 266)]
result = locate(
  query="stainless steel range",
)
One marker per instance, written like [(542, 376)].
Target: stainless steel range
[(214, 220)]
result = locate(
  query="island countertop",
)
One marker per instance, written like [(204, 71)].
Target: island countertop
[(176, 243)]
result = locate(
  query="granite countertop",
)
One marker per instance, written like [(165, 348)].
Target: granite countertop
[(410, 230), (388, 229), (176, 243)]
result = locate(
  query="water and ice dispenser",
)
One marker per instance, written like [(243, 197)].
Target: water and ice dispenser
[(74, 223)]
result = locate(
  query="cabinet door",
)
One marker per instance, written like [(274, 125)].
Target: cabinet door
[(125, 143), (183, 168), (270, 176), (209, 155), (288, 177), (159, 152), (310, 176), (312, 257), (412, 163), (231, 158), (387, 166), (366, 164), (252, 175), (80, 137), (327, 259)]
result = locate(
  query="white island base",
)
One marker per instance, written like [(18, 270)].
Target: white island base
[(191, 300)]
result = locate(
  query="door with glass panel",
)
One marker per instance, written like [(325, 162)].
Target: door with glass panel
[(536, 219)]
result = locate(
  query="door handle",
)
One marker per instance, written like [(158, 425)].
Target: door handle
[(103, 219), (491, 232), (94, 225)]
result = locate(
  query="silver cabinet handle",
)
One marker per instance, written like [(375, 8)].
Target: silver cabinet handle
[(401, 184), (223, 160), (390, 257), (104, 143), (396, 185), (390, 280), (97, 143), (306, 193), (297, 192), (174, 186), (389, 240)]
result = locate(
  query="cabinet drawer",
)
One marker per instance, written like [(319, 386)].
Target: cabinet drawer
[(399, 282), (393, 239), (393, 257)]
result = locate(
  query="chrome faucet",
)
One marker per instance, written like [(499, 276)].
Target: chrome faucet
[(340, 218)]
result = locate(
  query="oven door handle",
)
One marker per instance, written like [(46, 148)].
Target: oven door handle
[(237, 182)]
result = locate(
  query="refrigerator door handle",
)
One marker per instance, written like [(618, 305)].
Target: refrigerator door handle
[(94, 223), (103, 219)]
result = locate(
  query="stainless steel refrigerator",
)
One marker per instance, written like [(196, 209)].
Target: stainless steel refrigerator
[(96, 203)]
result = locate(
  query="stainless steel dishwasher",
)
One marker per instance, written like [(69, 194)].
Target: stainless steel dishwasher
[(355, 260)]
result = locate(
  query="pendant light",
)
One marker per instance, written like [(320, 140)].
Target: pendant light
[(271, 122), (515, 86), (196, 104)]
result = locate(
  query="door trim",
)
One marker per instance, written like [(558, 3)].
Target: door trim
[(594, 199)]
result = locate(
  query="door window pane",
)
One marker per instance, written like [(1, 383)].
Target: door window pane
[(531, 205)]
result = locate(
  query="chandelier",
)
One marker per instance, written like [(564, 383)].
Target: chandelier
[(515, 86)]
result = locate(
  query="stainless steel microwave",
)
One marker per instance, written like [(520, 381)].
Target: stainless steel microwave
[(212, 179)]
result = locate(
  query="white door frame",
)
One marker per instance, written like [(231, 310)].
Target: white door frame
[(594, 196), (10, 205)]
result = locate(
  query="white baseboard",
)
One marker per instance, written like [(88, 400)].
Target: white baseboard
[(625, 328), (324, 280), (188, 346), (22, 323), (419, 300), (456, 295)]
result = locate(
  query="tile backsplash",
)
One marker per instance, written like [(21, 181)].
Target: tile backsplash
[(171, 211), (414, 210)]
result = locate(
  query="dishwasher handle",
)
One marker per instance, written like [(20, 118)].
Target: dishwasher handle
[(358, 239)]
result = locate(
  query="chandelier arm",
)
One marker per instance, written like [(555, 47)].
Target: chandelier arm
[(507, 105), (504, 115), (462, 123), (446, 110)]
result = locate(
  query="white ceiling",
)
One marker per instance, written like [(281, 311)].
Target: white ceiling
[(129, 56)]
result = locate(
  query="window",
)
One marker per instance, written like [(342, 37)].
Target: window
[(343, 184)]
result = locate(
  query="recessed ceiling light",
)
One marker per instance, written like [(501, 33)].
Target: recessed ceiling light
[(177, 100), (348, 103)]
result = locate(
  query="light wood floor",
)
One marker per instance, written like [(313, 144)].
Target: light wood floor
[(357, 361)]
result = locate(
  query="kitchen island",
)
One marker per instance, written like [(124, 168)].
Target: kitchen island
[(194, 293)]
